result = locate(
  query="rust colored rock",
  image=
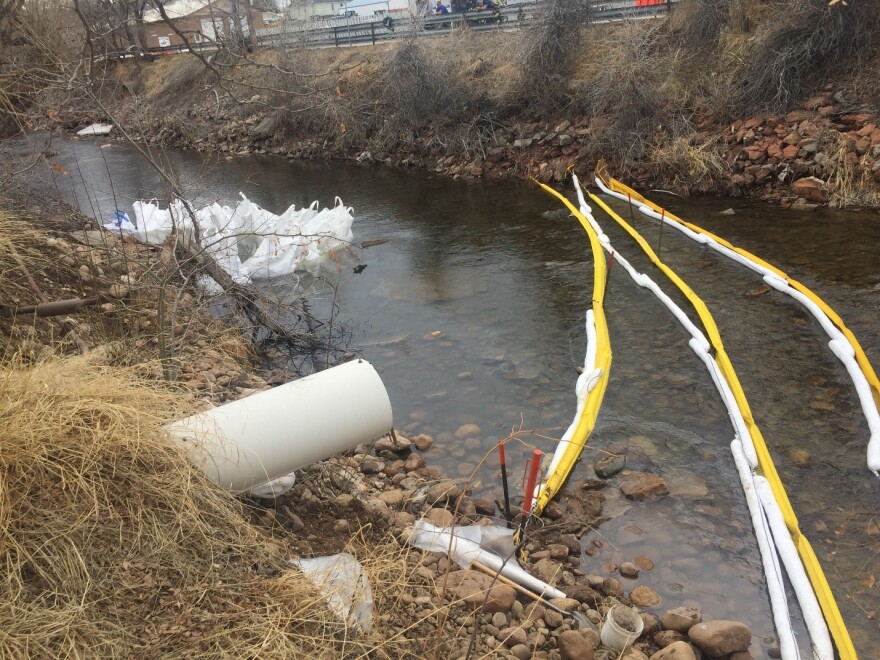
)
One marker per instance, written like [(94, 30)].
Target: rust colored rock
[(642, 486), (644, 597), (720, 638), (811, 189), (855, 119)]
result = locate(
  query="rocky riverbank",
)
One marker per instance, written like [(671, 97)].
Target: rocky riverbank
[(369, 497)]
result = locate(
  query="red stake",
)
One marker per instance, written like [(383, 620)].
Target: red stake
[(533, 466)]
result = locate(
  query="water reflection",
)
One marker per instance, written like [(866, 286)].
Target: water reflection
[(473, 311)]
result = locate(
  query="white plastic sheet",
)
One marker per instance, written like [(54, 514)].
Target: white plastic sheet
[(342, 579), (248, 242)]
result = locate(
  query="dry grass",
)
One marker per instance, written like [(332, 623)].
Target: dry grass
[(851, 182), (115, 546), (689, 167)]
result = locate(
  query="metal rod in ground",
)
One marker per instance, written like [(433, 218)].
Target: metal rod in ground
[(662, 222), (503, 459), (533, 466), (608, 273)]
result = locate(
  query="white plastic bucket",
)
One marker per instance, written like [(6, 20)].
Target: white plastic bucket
[(267, 435), (616, 633)]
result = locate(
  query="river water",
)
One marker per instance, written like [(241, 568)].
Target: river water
[(473, 311)]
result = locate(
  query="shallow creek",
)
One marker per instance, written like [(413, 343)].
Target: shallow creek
[(473, 311)]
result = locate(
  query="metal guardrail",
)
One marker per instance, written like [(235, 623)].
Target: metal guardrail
[(365, 30), (370, 30)]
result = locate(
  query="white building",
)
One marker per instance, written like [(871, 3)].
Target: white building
[(306, 10)]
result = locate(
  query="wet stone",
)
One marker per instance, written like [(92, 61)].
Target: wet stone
[(676, 651), (644, 597), (608, 466), (681, 619), (629, 570), (644, 563), (720, 638)]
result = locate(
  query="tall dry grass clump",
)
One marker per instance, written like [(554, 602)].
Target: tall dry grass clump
[(693, 168), (113, 545)]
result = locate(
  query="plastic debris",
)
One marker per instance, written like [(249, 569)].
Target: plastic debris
[(96, 129), (275, 488), (342, 579)]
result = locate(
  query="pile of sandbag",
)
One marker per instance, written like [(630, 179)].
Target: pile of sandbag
[(248, 242)]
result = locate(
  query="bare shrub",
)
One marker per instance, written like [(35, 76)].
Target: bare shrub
[(627, 93), (807, 40), (698, 23), (550, 54)]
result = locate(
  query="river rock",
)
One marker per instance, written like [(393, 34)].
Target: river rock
[(675, 651), (629, 570), (513, 636), (665, 638), (485, 506), (548, 570), (642, 486), (574, 646), (650, 623), (445, 490), (681, 619), (608, 466), (423, 441), (553, 619), (583, 594), (440, 517), (811, 189), (720, 637), (644, 597), (632, 653), (644, 563), (612, 587), (468, 586), (392, 497), (521, 652), (467, 430)]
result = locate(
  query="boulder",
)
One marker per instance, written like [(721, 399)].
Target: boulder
[(675, 651), (681, 619), (642, 486), (811, 189), (720, 637), (574, 646)]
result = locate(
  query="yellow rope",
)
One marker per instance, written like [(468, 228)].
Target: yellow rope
[(768, 469), (590, 411)]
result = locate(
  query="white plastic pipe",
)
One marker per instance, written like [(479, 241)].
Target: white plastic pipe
[(254, 440), (464, 552)]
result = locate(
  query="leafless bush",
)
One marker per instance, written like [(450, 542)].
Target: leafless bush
[(698, 23), (628, 94), (551, 52), (807, 40)]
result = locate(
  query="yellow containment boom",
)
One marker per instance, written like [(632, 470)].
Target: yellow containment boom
[(594, 380), (765, 462)]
